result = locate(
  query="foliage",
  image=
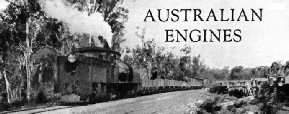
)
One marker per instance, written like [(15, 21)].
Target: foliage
[(26, 32), (211, 105), (30, 42), (241, 73)]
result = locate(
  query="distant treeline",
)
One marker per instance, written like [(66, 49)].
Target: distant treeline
[(168, 65)]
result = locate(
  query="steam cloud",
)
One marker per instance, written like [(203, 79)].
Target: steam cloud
[(3, 5), (77, 21)]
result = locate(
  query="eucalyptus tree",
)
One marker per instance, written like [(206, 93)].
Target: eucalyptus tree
[(28, 29)]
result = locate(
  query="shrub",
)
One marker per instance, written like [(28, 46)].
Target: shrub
[(211, 106), (41, 98)]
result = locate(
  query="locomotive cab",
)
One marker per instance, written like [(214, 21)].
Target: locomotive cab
[(125, 72)]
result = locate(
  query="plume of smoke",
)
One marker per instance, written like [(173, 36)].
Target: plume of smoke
[(78, 21), (3, 5)]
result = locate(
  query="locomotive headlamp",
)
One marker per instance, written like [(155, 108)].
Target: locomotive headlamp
[(71, 58)]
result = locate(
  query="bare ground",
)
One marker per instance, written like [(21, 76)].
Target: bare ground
[(163, 103)]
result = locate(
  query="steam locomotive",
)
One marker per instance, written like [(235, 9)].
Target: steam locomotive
[(92, 73)]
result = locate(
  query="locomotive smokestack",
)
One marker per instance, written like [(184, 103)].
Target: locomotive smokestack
[(78, 22)]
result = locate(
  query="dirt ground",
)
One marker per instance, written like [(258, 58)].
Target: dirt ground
[(163, 103)]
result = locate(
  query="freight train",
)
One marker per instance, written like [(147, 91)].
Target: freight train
[(92, 73)]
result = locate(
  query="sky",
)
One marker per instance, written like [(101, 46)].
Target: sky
[(262, 41)]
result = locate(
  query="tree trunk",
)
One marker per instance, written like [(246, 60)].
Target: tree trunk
[(40, 74), (7, 86), (55, 73), (28, 78), (27, 62)]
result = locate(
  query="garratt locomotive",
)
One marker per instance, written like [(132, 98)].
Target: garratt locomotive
[(93, 73)]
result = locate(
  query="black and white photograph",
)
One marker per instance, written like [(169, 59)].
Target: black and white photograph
[(144, 57)]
